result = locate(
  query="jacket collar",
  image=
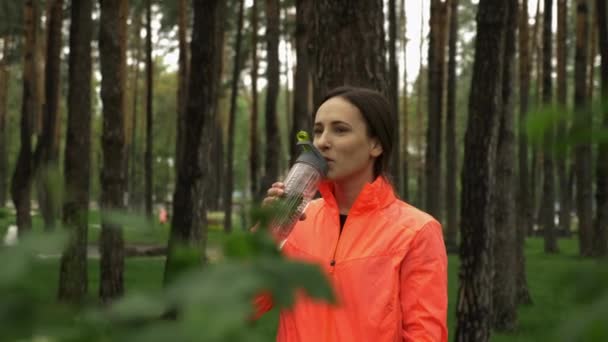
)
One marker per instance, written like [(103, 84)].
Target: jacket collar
[(373, 196)]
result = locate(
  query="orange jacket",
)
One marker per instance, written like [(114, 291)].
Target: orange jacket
[(388, 269)]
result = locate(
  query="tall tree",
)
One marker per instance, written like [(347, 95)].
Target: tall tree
[(436, 64), (4, 81), (347, 45), (419, 119), (535, 163), (253, 126), (504, 311), (149, 110), (524, 213), (271, 161), (548, 193), (187, 228), (582, 126), (405, 165), (301, 94), (451, 152), (393, 91), (112, 57), (46, 155), (182, 88), (134, 162), (565, 194), (236, 71), (600, 238), (474, 309), (73, 276), (21, 184)]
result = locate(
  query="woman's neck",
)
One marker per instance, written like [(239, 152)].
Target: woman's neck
[(347, 191)]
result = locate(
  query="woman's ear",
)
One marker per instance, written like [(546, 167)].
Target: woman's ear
[(376, 148)]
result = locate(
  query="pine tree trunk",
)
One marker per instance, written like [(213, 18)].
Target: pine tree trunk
[(436, 63), (134, 194), (149, 110), (182, 88), (73, 276), (524, 216), (21, 184), (548, 193), (4, 81), (188, 222), (253, 128), (112, 55), (474, 309), (565, 203), (600, 236), (504, 314), (419, 122), (348, 46), (272, 153), (451, 152), (236, 71), (393, 93), (582, 125), (405, 164), (46, 155), (301, 110)]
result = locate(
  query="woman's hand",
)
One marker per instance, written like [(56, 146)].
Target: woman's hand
[(272, 194)]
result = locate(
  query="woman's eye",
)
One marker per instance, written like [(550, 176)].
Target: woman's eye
[(340, 130), (317, 131)]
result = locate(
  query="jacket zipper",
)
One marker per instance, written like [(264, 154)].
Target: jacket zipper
[(332, 263)]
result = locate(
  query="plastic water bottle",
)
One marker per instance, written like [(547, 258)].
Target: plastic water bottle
[(301, 185)]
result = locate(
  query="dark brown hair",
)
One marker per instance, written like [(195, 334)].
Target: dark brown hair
[(379, 119)]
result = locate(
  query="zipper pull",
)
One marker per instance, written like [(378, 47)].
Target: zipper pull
[(332, 263)]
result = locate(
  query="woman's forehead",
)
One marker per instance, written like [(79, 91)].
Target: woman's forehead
[(338, 109)]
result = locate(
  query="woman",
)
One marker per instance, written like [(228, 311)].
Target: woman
[(385, 259)]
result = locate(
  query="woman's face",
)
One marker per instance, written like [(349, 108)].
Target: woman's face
[(340, 133)]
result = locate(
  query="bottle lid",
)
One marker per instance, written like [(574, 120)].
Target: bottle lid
[(310, 155)]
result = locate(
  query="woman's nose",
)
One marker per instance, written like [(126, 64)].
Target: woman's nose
[(321, 142)]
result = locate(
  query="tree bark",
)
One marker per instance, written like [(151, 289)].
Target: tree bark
[(21, 185), (301, 95), (149, 110), (188, 222), (600, 236), (253, 128), (405, 164), (565, 202), (272, 153), (112, 54), (436, 63), (236, 71), (548, 194), (182, 89), (451, 151), (504, 299), (393, 93), (46, 155), (524, 215), (134, 194), (347, 46), (73, 276), (474, 308), (582, 126), (4, 81), (419, 121)]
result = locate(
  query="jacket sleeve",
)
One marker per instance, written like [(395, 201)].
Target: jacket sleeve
[(262, 303), (424, 284)]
